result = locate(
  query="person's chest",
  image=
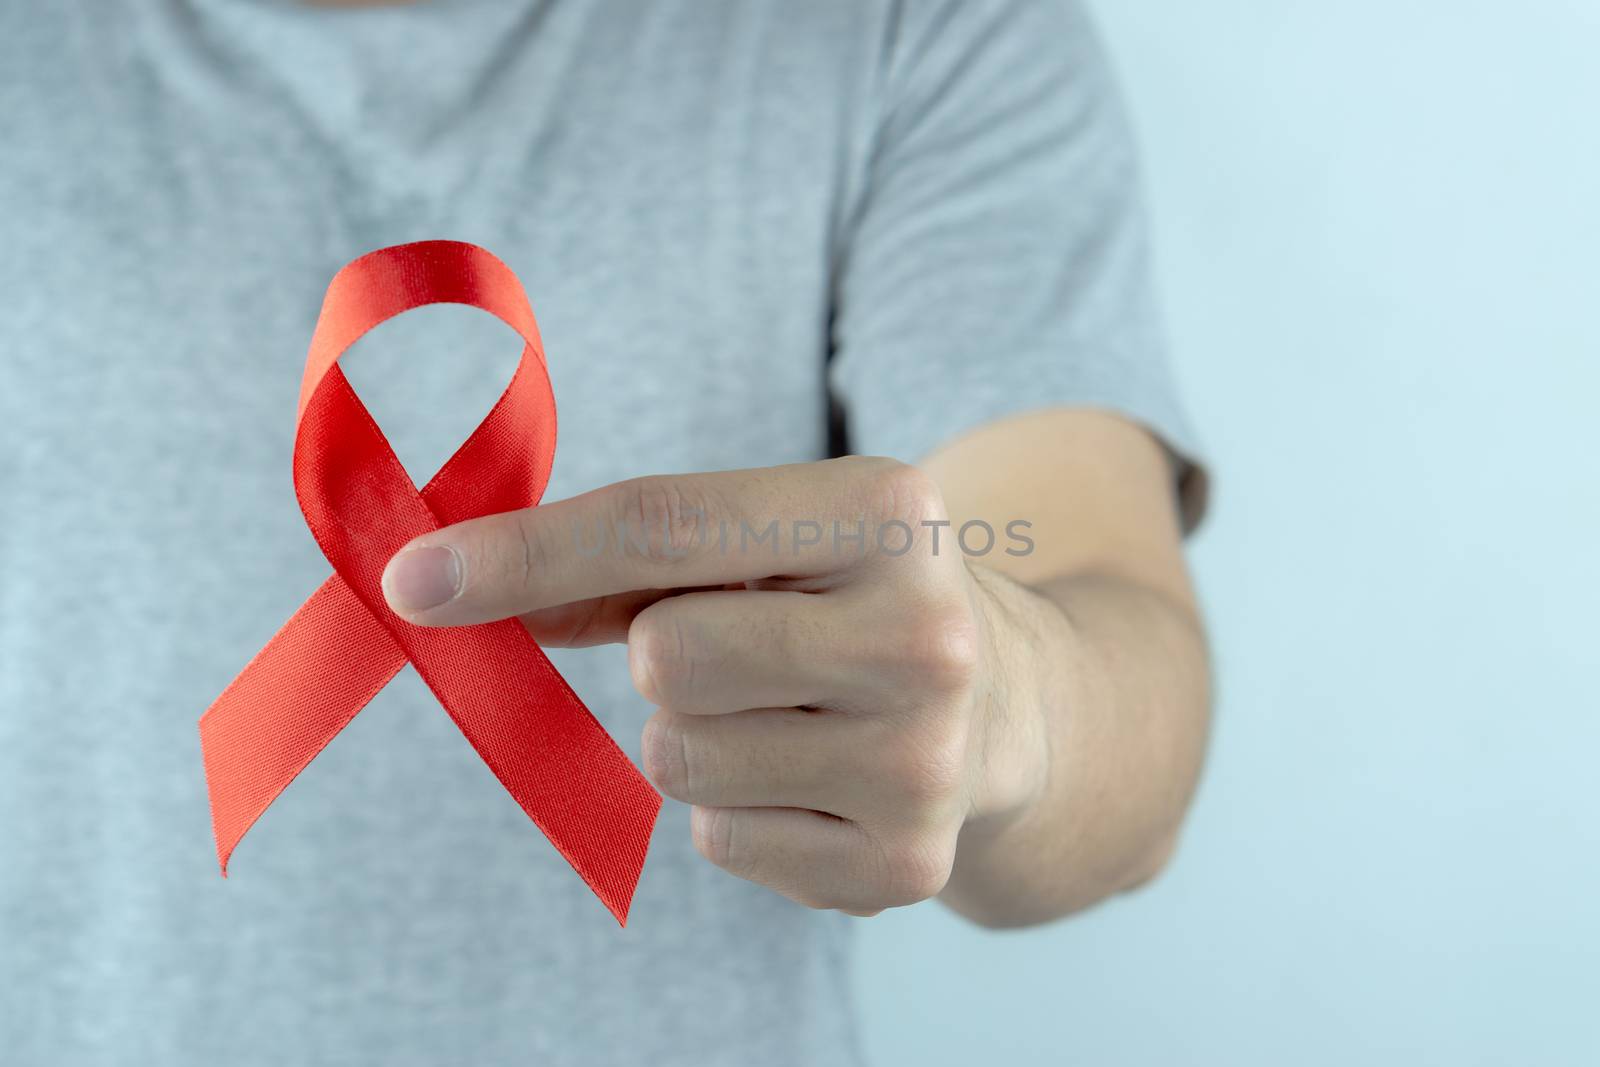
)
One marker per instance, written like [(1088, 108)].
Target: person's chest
[(174, 210), (176, 213), (175, 222)]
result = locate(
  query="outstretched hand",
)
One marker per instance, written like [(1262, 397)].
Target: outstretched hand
[(821, 645)]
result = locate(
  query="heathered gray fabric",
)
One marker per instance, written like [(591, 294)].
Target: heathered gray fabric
[(705, 198)]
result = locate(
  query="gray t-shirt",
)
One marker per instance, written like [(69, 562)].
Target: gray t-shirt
[(723, 211)]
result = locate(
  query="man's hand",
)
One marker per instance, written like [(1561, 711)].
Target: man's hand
[(865, 723), (828, 662)]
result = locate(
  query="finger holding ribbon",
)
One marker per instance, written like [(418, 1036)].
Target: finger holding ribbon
[(820, 651)]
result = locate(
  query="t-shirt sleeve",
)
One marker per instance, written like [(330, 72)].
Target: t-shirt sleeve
[(997, 262)]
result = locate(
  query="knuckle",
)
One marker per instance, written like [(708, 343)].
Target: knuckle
[(915, 868), (659, 657), (666, 747), (943, 648), (715, 837), (663, 519), (901, 491)]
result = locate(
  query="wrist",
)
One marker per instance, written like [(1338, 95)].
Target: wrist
[(1011, 738)]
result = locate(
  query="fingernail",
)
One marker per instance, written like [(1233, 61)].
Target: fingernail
[(422, 578)]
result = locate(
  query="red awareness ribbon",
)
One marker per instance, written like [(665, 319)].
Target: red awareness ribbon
[(344, 644)]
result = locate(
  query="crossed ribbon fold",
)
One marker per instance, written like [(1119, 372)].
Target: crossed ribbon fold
[(344, 644)]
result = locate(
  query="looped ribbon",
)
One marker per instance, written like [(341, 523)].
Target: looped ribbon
[(344, 644)]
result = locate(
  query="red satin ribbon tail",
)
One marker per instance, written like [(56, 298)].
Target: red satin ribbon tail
[(322, 667), (560, 766)]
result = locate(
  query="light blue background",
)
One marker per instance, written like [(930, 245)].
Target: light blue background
[(1378, 226)]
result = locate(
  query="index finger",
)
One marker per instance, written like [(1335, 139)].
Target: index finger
[(807, 520)]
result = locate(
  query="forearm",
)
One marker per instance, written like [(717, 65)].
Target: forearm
[(1110, 680)]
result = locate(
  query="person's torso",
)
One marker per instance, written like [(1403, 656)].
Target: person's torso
[(669, 180)]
